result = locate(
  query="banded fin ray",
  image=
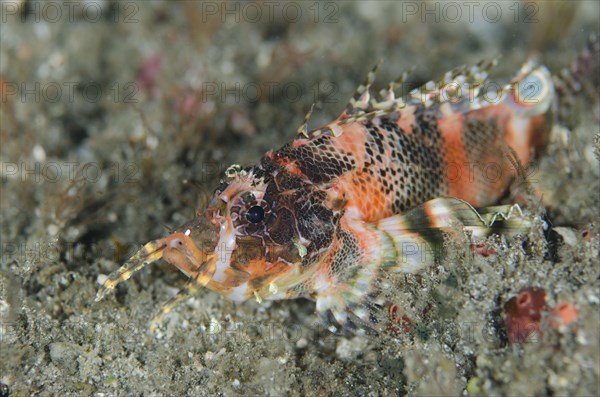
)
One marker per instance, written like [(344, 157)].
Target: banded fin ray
[(410, 242), (461, 82), (417, 236)]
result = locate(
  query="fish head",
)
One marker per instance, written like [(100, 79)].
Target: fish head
[(259, 237), (245, 244)]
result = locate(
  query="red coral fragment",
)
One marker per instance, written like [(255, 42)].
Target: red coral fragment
[(588, 234), (523, 315), (399, 322), (483, 249), (563, 314)]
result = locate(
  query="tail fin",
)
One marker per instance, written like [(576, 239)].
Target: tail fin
[(531, 96), (582, 78), (531, 91)]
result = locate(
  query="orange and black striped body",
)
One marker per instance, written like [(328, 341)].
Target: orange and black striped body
[(376, 191), (331, 188), (390, 164)]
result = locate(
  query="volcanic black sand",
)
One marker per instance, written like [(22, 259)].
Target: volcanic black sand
[(119, 118)]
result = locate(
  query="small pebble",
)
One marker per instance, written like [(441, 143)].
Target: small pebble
[(301, 343)]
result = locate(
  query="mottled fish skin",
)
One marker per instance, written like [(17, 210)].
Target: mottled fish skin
[(375, 191), (328, 190)]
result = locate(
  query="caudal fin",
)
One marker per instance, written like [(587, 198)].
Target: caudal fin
[(531, 91)]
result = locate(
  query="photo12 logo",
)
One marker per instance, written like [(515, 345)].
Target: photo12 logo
[(90, 11), (269, 11), (57, 171), (469, 11), (270, 91), (68, 92)]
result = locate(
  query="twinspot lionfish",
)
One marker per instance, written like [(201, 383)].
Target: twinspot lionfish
[(331, 213)]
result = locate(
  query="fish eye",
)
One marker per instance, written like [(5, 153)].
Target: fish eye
[(255, 214)]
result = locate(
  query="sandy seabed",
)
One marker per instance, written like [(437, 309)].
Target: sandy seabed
[(118, 118)]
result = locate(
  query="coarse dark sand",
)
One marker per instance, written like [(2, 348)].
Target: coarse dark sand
[(119, 118)]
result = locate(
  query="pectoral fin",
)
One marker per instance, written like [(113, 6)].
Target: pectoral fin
[(405, 243), (415, 239)]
